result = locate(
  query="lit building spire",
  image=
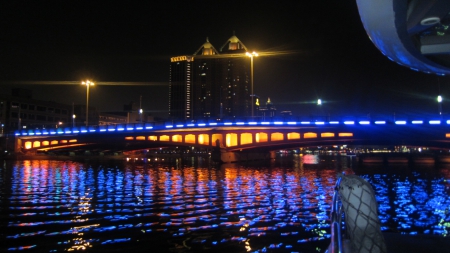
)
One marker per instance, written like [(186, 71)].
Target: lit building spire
[(206, 49)]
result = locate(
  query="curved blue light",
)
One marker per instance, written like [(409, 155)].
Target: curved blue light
[(213, 124), (319, 123), (252, 123), (228, 123), (292, 123), (190, 125), (240, 123), (179, 125), (380, 122), (434, 122), (265, 123), (334, 122), (400, 122), (364, 122), (417, 122), (305, 122), (278, 123), (349, 122), (201, 124)]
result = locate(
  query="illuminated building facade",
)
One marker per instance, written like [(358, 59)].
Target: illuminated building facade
[(180, 87), (211, 84), (207, 76)]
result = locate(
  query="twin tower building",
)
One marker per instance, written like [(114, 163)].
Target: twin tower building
[(212, 84)]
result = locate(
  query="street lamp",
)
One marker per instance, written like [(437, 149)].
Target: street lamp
[(251, 55), (439, 100), (87, 83), (73, 120)]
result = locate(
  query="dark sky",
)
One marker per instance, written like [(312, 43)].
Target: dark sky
[(329, 55)]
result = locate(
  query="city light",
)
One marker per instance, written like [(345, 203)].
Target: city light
[(251, 55), (87, 83), (439, 100), (149, 126)]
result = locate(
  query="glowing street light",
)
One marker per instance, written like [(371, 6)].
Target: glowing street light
[(319, 101), (87, 83), (251, 55), (439, 100)]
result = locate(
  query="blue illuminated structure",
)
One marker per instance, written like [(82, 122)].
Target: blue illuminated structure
[(138, 127)]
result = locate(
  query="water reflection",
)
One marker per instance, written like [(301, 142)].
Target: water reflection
[(284, 205)]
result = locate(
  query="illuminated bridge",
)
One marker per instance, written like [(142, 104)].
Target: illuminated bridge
[(232, 137)]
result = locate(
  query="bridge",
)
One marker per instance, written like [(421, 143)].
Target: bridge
[(239, 136)]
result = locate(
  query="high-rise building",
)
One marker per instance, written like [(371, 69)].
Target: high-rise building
[(180, 87), (211, 84), (207, 82), (236, 87)]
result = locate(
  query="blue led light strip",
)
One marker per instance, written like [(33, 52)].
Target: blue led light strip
[(149, 126)]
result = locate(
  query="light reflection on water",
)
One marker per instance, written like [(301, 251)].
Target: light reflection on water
[(283, 206)]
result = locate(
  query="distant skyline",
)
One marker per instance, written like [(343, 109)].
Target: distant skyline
[(329, 54)]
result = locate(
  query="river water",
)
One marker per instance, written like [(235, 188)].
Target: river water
[(191, 206)]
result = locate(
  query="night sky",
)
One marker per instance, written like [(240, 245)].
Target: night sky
[(323, 52)]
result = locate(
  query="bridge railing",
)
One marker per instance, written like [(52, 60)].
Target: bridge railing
[(181, 125)]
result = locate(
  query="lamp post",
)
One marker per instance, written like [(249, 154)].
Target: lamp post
[(87, 83), (251, 55), (439, 100)]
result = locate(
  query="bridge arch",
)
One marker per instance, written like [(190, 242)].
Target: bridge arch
[(277, 136), (293, 136), (189, 138), (246, 138), (261, 137), (231, 139), (203, 139)]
